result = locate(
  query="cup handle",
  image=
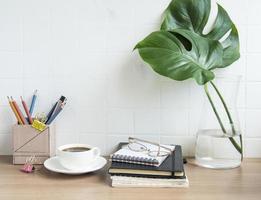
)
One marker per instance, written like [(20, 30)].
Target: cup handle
[(96, 152)]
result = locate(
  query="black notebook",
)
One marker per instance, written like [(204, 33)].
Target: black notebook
[(171, 167)]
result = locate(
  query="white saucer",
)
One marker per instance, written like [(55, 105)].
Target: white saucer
[(53, 164)]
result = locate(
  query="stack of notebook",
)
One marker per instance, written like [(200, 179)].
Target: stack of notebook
[(136, 169)]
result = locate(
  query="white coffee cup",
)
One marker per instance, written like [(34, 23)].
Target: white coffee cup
[(77, 156)]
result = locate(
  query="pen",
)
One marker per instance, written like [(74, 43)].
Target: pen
[(30, 120), (58, 110), (57, 106), (33, 103), (51, 111)]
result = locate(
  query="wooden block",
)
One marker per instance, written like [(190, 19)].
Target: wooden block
[(28, 141)]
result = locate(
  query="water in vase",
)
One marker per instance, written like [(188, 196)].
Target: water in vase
[(215, 150)]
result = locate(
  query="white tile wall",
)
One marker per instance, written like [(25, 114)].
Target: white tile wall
[(252, 38), (83, 50), (142, 117), (120, 121), (252, 127)]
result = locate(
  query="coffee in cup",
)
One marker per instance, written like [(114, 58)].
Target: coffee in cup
[(77, 156), (76, 149)]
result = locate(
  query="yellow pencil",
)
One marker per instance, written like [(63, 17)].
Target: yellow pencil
[(14, 110)]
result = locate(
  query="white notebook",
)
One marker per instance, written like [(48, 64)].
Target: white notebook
[(128, 156), (124, 181)]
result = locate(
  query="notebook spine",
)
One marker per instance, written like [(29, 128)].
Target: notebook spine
[(147, 176), (178, 166), (134, 160)]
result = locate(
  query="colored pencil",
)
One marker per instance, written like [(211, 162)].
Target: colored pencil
[(14, 110), (18, 111), (30, 120), (33, 103)]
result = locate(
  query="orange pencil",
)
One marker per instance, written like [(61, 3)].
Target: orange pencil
[(18, 111), (14, 110), (26, 111)]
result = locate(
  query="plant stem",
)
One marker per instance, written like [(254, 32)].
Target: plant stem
[(238, 148), (214, 109), (226, 108), (235, 144), (241, 144)]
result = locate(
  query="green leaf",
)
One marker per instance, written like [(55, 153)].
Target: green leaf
[(221, 26), (193, 15), (187, 14), (231, 47), (168, 55)]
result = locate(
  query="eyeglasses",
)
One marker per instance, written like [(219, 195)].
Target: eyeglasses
[(139, 145)]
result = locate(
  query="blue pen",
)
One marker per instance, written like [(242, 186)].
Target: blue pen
[(51, 111), (54, 115), (55, 107), (33, 103)]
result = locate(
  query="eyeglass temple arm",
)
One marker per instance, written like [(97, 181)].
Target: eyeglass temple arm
[(132, 139)]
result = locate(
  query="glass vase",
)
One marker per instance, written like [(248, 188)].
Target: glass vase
[(219, 139)]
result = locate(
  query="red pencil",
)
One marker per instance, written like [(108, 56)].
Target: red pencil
[(14, 110), (18, 111), (26, 111)]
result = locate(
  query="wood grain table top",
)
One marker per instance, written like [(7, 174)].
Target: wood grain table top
[(239, 183)]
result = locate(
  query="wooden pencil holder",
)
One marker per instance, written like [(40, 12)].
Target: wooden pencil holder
[(27, 142)]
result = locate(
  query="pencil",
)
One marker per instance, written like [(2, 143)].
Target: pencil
[(30, 120), (14, 110), (18, 111), (33, 103)]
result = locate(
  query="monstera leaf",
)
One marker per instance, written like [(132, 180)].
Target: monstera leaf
[(168, 56), (181, 50)]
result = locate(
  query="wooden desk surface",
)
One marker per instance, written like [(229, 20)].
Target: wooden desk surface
[(240, 183)]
